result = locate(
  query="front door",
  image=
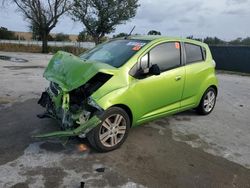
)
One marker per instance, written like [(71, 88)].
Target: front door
[(157, 94)]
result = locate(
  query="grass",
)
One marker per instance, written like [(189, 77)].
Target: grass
[(70, 49), (38, 49)]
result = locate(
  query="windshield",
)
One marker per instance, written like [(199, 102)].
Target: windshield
[(114, 53)]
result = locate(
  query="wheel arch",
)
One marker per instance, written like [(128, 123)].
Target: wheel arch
[(210, 81), (127, 110), (204, 90), (215, 88)]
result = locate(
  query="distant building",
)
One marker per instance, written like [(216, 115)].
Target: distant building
[(23, 35)]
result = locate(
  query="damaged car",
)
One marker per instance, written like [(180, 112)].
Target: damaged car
[(126, 82)]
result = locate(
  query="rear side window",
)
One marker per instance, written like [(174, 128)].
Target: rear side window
[(194, 53), (166, 55)]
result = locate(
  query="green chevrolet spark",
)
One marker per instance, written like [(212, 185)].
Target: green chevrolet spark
[(124, 83)]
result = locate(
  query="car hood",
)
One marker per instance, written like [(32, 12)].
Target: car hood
[(70, 72)]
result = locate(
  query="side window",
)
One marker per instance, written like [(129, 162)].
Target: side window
[(166, 55), (194, 53)]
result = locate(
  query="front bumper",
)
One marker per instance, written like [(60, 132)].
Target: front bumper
[(73, 123), (82, 129)]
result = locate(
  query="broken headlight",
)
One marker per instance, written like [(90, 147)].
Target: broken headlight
[(54, 88), (92, 103)]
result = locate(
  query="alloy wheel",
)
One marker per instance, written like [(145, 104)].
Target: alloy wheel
[(209, 101), (112, 130)]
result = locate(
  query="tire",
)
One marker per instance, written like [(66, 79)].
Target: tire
[(207, 102), (111, 133)]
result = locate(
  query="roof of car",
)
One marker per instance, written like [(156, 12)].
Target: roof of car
[(149, 37), (159, 38)]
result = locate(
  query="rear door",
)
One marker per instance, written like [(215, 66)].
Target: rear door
[(196, 71)]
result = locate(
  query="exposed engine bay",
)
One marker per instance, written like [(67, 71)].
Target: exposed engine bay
[(74, 108)]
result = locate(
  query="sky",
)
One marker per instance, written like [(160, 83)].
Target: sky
[(226, 19)]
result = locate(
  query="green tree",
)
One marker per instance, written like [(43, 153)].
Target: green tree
[(36, 35), (35, 31), (154, 32), (237, 41), (43, 15), (193, 38), (84, 36), (120, 35), (245, 41), (6, 34), (214, 41), (100, 17), (61, 37)]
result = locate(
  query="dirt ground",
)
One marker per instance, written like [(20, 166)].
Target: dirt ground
[(184, 150)]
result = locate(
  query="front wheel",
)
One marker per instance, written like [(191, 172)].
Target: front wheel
[(111, 132), (207, 102)]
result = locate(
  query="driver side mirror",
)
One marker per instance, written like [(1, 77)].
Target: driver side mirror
[(154, 70), (143, 69)]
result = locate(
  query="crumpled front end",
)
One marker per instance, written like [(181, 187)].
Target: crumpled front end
[(74, 118), (71, 104)]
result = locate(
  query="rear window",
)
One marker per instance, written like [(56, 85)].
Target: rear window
[(193, 53)]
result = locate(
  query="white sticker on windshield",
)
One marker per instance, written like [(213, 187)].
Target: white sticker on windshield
[(136, 44)]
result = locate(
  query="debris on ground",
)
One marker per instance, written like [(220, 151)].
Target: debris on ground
[(82, 148), (82, 184), (102, 169)]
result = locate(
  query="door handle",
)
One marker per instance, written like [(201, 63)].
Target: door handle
[(177, 78)]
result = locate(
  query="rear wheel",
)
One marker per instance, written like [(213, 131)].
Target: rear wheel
[(207, 102), (111, 132)]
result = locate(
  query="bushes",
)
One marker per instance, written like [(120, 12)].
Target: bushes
[(6, 34), (20, 48), (38, 49), (61, 37), (70, 49)]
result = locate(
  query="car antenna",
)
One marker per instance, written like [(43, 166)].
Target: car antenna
[(130, 33)]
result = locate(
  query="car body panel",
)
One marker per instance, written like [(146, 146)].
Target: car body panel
[(70, 71), (159, 88), (83, 128)]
